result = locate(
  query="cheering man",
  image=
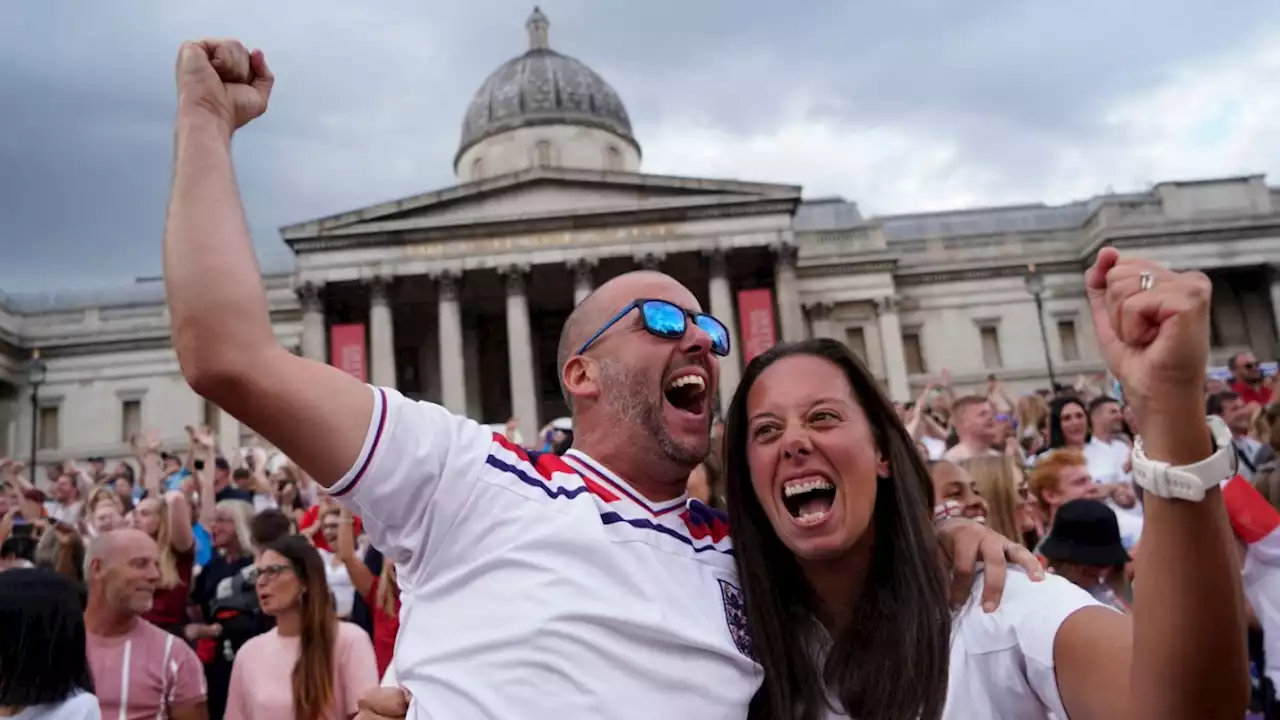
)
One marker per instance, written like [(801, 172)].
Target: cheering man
[(574, 586)]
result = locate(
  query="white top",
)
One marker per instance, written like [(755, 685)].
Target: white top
[(340, 584), (81, 706), (1001, 664), (1261, 576), (1106, 461), (545, 586)]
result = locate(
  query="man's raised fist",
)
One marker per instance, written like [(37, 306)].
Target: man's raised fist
[(223, 79)]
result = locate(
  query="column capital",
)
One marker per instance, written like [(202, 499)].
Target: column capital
[(786, 253), (515, 274), (582, 269), (888, 304), (379, 287), (719, 258), (650, 260), (309, 295), (447, 284), (819, 308)]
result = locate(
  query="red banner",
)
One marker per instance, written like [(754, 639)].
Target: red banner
[(755, 311), (346, 344)]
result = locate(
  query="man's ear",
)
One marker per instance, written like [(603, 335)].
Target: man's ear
[(882, 466), (579, 376)]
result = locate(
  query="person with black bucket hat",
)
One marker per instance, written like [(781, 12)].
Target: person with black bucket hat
[(1084, 547)]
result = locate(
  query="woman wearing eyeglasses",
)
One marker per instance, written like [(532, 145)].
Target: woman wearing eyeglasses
[(311, 666)]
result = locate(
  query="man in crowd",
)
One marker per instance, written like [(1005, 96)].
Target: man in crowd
[(1059, 477), (1247, 380), (139, 670), (1107, 448), (580, 586), (976, 428), (1236, 413)]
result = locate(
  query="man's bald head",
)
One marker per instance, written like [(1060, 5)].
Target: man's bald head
[(604, 302), (117, 545)]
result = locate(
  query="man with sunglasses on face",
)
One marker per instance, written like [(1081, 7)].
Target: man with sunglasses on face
[(533, 585)]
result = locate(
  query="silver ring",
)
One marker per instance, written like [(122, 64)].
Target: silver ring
[(1145, 280)]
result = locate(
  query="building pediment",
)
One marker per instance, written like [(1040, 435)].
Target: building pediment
[(540, 199)]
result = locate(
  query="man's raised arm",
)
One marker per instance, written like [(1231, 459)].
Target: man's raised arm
[(317, 414)]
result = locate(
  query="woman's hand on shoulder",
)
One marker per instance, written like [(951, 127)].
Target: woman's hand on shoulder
[(967, 543)]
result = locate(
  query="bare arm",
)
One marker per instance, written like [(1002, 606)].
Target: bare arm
[(360, 575), (222, 333), (1185, 655), (181, 537)]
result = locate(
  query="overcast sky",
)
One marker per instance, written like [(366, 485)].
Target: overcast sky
[(901, 105)]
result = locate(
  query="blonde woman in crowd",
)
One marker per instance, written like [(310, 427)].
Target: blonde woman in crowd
[(311, 666), (104, 512), (1012, 509), (381, 592)]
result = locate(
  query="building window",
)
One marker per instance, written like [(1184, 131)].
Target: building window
[(856, 339), (1067, 340), (913, 352), (543, 149), (612, 158), (130, 419), (991, 358), (49, 428), (477, 169)]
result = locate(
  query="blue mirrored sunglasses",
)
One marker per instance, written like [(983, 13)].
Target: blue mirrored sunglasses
[(670, 322)]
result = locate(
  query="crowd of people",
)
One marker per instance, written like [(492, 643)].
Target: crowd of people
[(377, 556)]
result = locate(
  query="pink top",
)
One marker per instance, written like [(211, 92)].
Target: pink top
[(261, 679), (144, 673)]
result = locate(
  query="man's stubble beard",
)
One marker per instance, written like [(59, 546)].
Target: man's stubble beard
[(624, 392)]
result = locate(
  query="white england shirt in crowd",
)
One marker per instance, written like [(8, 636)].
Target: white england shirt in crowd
[(1106, 460), (339, 579), (1001, 665), (545, 586)]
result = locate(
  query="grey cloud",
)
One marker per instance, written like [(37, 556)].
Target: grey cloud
[(371, 95)]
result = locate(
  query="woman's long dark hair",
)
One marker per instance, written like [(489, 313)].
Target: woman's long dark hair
[(42, 658), (890, 662), (1059, 404), (313, 673)]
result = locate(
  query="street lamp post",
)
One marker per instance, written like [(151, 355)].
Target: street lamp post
[(35, 378), (1035, 286)]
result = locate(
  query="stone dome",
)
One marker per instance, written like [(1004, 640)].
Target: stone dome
[(543, 87)]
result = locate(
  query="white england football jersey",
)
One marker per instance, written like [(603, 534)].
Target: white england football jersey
[(543, 586)]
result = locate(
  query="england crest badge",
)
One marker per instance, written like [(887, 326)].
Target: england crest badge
[(735, 614)]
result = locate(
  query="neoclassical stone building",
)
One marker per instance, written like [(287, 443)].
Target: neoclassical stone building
[(457, 295)]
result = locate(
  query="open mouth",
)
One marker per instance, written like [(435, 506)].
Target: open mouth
[(809, 499), (687, 393)]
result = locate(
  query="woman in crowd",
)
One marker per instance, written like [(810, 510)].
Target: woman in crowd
[(288, 498), (168, 521), (61, 549), (104, 512), (44, 669), (311, 666), (380, 592), (233, 552), (955, 493), (1011, 509), (1068, 424), (843, 581)]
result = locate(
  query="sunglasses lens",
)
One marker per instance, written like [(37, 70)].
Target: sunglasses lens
[(663, 319), (719, 334)]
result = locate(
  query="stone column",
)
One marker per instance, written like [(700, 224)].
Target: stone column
[(453, 377), (720, 293), (895, 361), (787, 289), (524, 395), (382, 343), (313, 326), (820, 320), (583, 282), (228, 434), (1275, 302)]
